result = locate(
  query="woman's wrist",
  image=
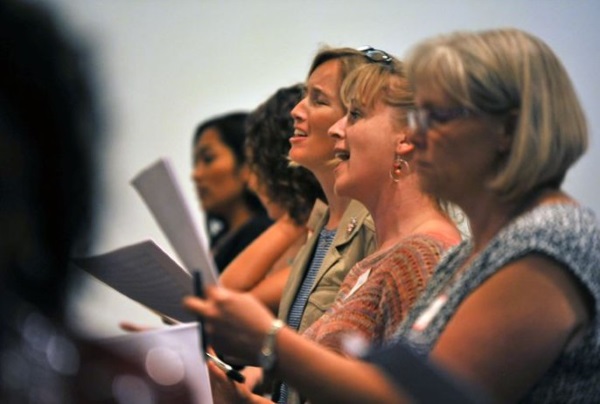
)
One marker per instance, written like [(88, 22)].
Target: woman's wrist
[(267, 357)]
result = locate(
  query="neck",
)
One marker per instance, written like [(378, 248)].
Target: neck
[(403, 211), (488, 214), (237, 217), (337, 204)]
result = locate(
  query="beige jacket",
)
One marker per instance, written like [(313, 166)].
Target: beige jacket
[(354, 240)]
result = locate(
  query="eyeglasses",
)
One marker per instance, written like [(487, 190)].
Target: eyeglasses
[(375, 55), (425, 118)]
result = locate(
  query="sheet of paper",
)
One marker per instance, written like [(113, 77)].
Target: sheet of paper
[(158, 187), (169, 355), (145, 273)]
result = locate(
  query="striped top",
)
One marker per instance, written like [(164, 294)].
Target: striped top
[(325, 239)]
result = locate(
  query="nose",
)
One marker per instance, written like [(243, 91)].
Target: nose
[(338, 129), (299, 111)]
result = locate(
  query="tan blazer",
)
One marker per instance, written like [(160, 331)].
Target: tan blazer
[(354, 240)]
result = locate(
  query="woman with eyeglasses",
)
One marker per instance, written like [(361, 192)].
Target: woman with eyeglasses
[(373, 166), (514, 309)]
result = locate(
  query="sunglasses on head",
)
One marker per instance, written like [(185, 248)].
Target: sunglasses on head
[(375, 55)]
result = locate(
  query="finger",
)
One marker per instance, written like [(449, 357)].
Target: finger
[(196, 304), (215, 372), (131, 327), (211, 291)]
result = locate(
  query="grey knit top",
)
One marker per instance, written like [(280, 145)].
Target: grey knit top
[(566, 233)]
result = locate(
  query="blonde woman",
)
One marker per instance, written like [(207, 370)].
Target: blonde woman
[(412, 232)]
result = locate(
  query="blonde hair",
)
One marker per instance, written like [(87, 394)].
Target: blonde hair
[(504, 71), (387, 83), (378, 81), (349, 59)]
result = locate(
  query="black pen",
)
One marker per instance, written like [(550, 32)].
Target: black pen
[(199, 291), (228, 369)]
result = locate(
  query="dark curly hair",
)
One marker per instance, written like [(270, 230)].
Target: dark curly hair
[(268, 130)]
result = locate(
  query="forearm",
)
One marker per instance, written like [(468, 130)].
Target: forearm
[(270, 289), (324, 376), (256, 260), (238, 325)]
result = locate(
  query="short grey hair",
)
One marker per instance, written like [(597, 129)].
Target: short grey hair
[(504, 70)]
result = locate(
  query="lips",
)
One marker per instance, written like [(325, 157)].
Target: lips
[(299, 133), (342, 155)]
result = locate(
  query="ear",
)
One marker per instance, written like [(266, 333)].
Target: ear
[(403, 145), (507, 132)]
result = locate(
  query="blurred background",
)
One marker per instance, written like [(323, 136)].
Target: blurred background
[(164, 66)]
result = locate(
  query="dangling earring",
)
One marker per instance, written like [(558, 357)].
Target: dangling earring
[(399, 169)]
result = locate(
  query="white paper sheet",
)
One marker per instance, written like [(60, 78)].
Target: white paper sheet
[(158, 187), (146, 274), (169, 355)]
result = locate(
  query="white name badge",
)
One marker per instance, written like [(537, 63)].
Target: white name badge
[(359, 282), (429, 313)]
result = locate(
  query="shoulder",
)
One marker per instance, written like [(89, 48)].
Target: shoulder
[(357, 213), (436, 241), (552, 238), (414, 259), (567, 233)]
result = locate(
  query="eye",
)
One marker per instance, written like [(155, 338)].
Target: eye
[(354, 114), (443, 115), (439, 115), (317, 97), (320, 100), (204, 158)]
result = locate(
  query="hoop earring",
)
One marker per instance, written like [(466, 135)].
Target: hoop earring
[(399, 169)]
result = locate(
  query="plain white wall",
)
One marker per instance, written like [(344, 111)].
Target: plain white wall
[(163, 66)]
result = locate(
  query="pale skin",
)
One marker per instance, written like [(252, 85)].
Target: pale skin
[(503, 337)]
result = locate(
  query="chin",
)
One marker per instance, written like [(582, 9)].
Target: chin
[(295, 156), (341, 188)]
